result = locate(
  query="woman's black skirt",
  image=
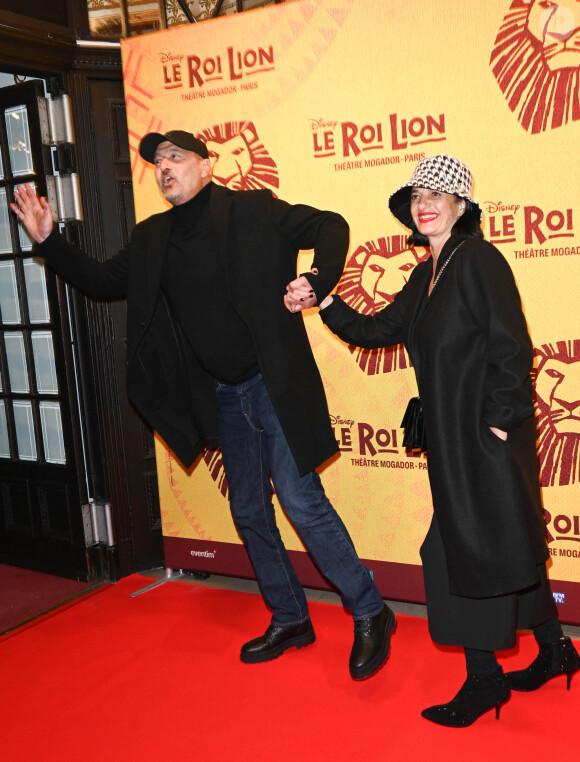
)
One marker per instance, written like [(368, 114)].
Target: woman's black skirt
[(487, 624)]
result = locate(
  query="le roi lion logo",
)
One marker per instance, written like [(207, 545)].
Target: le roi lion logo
[(374, 274), (536, 62)]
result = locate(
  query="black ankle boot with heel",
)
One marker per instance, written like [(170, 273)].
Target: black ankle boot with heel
[(477, 695), (559, 658)]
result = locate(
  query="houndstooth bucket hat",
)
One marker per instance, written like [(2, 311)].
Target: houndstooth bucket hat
[(440, 173)]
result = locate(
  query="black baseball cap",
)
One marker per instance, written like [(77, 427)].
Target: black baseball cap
[(180, 138)]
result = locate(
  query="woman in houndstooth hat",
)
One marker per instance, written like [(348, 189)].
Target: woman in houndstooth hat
[(484, 555)]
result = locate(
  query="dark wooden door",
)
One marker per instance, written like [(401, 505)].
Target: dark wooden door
[(40, 454)]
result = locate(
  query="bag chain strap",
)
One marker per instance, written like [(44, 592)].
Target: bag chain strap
[(440, 273)]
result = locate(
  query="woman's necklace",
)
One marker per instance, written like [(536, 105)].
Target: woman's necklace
[(440, 273)]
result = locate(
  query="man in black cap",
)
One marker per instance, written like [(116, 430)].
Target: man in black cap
[(214, 357)]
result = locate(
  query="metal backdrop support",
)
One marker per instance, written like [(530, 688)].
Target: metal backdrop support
[(169, 577)]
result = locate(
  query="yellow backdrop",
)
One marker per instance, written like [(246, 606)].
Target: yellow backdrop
[(331, 103)]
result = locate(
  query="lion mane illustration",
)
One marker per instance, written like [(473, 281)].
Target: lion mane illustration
[(536, 62), (212, 457), (238, 157), (557, 387), (374, 274)]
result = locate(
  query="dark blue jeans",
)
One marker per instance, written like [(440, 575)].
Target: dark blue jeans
[(254, 451)]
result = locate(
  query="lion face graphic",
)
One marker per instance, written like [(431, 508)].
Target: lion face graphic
[(374, 274), (557, 384), (557, 27), (536, 62), (239, 159)]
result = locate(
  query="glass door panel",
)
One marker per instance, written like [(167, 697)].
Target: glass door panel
[(25, 435), (4, 440), (16, 361), (18, 136), (5, 239), (35, 279), (9, 303), (52, 434), (43, 353)]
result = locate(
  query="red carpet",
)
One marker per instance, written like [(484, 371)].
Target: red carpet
[(158, 677)]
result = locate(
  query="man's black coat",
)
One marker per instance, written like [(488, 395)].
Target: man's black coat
[(259, 238)]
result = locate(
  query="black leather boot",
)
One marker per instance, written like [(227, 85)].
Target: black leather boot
[(559, 658), (477, 695), (276, 640), (372, 637)]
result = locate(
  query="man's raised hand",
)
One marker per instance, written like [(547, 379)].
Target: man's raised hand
[(33, 212)]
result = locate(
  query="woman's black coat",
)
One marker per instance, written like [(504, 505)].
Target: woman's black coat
[(472, 355), (258, 238)]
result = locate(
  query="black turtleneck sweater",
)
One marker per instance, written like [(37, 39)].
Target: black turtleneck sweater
[(194, 282)]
